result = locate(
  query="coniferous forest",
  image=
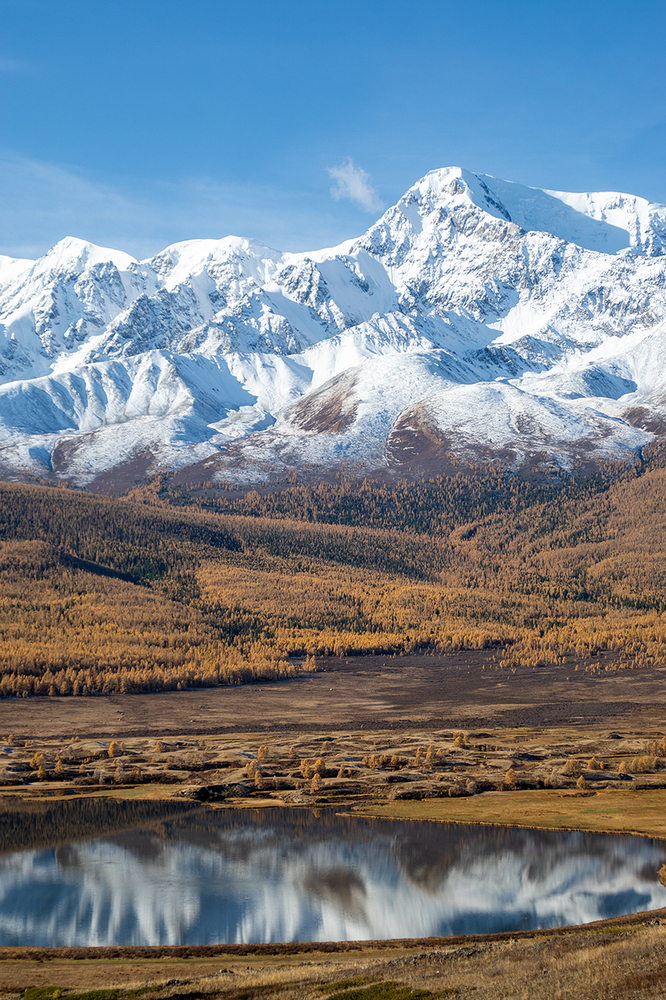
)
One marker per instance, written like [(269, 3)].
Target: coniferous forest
[(173, 587)]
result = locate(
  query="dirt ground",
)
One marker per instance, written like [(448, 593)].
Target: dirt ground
[(462, 691)]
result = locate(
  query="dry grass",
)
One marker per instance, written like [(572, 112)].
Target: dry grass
[(641, 812), (599, 962)]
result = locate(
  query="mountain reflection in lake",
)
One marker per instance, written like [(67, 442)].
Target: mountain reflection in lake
[(203, 876)]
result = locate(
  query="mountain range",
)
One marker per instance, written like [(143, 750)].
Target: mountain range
[(476, 319)]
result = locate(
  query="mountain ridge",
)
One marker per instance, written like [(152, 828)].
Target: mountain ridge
[(496, 319)]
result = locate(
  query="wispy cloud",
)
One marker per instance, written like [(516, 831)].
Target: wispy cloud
[(13, 65), (42, 202), (355, 184)]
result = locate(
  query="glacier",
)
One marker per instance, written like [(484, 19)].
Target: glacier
[(477, 317)]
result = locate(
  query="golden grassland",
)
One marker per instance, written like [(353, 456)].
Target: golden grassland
[(615, 811), (151, 593)]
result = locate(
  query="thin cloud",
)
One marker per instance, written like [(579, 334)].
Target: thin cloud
[(355, 184), (42, 202), (13, 66)]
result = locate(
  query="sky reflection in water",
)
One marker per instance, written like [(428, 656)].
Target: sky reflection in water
[(231, 876)]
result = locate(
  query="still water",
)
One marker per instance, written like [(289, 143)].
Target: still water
[(202, 876)]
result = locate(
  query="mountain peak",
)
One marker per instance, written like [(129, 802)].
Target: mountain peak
[(72, 253), (603, 221), (477, 316)]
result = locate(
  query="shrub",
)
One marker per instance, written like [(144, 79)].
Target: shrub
[(638, 765), (657, 748)]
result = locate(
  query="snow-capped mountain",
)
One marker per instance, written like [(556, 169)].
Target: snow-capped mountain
[(476, 316)]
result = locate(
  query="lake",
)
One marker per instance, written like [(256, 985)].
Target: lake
[(94, 873)]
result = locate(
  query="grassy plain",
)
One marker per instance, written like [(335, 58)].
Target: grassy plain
[(555, 778), (601, 812)]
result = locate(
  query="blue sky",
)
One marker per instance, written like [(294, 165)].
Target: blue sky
[(137, 123)]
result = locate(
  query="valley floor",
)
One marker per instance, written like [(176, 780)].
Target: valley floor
[(462, 690), (420, 737), (448, 738)]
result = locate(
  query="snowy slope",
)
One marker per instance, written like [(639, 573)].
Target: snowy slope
[(486, 316)]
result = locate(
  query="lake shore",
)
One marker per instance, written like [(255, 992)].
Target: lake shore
[(558, 778), (619, 958), (418, 736), (463, 754)]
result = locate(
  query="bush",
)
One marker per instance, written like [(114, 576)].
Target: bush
[(510, 778)]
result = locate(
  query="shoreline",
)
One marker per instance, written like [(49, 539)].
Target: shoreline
[(486, 966), (423, 811), (487, 963), (279, 948)]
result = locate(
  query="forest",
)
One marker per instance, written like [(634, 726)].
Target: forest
[(174, 587)]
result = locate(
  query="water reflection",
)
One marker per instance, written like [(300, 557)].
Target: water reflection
[(210, 876)]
